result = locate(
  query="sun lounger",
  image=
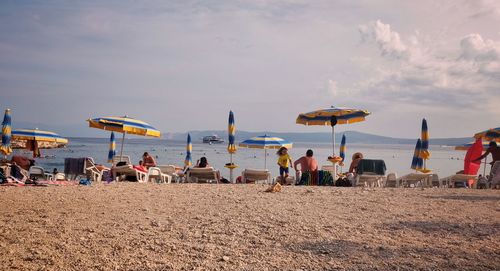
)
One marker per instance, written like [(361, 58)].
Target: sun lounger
[(59, 177), (123, 158), (391, 180), (171, 171), (455, 178), (156, 174), (92, 171), (422, 179), (128, 170), (256, 175), (370, 173), (36, 172), (202, 174)]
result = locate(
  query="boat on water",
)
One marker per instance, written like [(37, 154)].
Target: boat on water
[(213, 139)]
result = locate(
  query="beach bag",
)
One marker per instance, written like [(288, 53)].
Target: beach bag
[(224, 180), (107, 176), (343, 182), (85, 182)]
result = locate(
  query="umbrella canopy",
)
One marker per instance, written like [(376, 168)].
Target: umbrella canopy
[(466, 146), (38, 135), (323, 116), (342, 148), (35, 140), (231, 130), (266, 142), (189, 148), (417, 161), (112, 147), (124, 125), (5, 148), (489, 135), (425, 154)]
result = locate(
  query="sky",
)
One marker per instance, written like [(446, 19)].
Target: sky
[(182, 65)]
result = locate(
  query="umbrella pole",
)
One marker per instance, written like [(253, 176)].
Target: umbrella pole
[(231, 169), (484, 168), (121, 149), (334, 173), (265, 158)]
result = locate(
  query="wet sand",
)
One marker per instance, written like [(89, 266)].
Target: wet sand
[(131, 226)]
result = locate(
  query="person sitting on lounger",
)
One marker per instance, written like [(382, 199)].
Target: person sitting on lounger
[(141, 167), (203, 163), (307, 162), (355, 161), (148, 160)]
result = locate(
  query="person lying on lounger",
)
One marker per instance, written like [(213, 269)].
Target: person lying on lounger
[(148, 160)]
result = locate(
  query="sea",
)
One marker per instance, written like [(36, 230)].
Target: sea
[(444, 160)]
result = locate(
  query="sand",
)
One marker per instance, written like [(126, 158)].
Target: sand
[(132, 226)]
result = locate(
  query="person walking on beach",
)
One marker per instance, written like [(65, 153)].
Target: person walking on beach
[(148, 160), (284, 161)]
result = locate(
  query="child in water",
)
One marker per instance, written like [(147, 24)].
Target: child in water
[(284, 161)]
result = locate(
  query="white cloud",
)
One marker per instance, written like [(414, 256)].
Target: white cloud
[(389, 42)]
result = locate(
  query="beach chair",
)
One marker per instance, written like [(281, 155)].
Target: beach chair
[(456, 178), (171, 171), (436, 182), (415, 179), (59, 177), (208, 174), (128, 170), (255, 175), (123, 158), (91, 170), (370, 172), (391, 180), (36, 172), (159, 177)]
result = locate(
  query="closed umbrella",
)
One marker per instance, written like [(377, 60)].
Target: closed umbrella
[(342, 149), (5, 148), (416, 162), (112, 147), (266, 142), (189, 148), (124, 125), (424, 152), (231, 147)]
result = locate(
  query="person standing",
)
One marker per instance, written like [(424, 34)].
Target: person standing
[(284, 162)]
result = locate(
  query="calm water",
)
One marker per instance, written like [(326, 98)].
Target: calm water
[(444, 160)]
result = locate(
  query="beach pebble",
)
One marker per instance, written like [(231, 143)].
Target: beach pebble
[(225, 258)]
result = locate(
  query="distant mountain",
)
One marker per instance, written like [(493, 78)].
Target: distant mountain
[(352, 137)]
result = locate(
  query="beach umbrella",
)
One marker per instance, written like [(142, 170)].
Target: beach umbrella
[(489, 135), (112, 147), (34, 140), (266, 142), (231, 130), (424, 151), (416, 162), (189, 148), (124, 125), (231, 147), (5, 148), (331, 117), (466, 146), (342, 149)]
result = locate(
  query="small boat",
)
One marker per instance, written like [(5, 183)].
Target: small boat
[(213, 139)]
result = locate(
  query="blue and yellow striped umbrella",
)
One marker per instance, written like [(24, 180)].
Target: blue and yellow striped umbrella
[(323, 116), (424, 153), (38, 135), (466, 146), (417, 161), (189, 148), (231, 147), (124, 125), (266, 142), (112, 147), (342, 148), (489, 135), (5, 148)]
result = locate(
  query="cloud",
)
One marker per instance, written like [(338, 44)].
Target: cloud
[(462, 77)]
